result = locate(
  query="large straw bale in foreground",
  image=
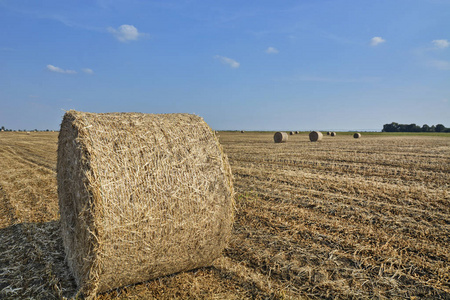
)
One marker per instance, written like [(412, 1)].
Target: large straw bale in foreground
[(140, 196), (280, 137), (315, 136)]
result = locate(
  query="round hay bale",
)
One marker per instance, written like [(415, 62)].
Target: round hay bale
[(291, 133), (315, 136), (140, 196), (242, 131), (328, 133), (280, 137), (296, 132), (333, 133), (357, 135)]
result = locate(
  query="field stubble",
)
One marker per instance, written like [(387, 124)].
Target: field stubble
[(341, 218)]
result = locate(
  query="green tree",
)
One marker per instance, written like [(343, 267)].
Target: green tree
[(440, 128), (426, 128)]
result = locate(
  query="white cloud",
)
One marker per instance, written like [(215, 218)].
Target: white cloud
[(376, 40), (228, 61), (125, 33), (441, 43), (440, 64), (271, 50), (59, 70), (88, 71)]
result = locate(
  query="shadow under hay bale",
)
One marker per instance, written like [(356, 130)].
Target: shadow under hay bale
[(149, 193), (32, 263)]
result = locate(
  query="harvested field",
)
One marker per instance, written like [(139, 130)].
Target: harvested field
[(344, 218)]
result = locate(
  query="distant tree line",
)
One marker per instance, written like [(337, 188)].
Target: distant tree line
[(2, 128), (395, 127)]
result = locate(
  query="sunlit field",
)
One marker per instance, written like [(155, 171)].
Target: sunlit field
[(340, 218)]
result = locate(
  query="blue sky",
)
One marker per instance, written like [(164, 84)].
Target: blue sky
[(253, 65)]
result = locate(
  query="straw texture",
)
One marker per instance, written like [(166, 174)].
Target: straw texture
[(140, 196), (280, 137), (315, 136)]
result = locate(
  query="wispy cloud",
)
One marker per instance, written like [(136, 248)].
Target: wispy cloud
[(228, 61), (272, 50), (88, 71), (376, 40), (440, 64), (52, 68), (331, 79), (441, 44), (125, 33)]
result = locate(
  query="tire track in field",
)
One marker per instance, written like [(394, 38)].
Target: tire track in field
[(31, 162), (31, 188)]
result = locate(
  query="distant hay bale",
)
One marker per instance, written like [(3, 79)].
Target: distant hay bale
[(315, 136), (291, 133), (333, 133), (242, 131), (140, 196), (280, 137), (328, 133), (296, 132), (357, 135)]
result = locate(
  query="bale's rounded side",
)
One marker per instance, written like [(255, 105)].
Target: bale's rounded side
[(315, 136), (140, 196), (280, 137), (357, 135), (333, 133), (328, 133), (291, 133)]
